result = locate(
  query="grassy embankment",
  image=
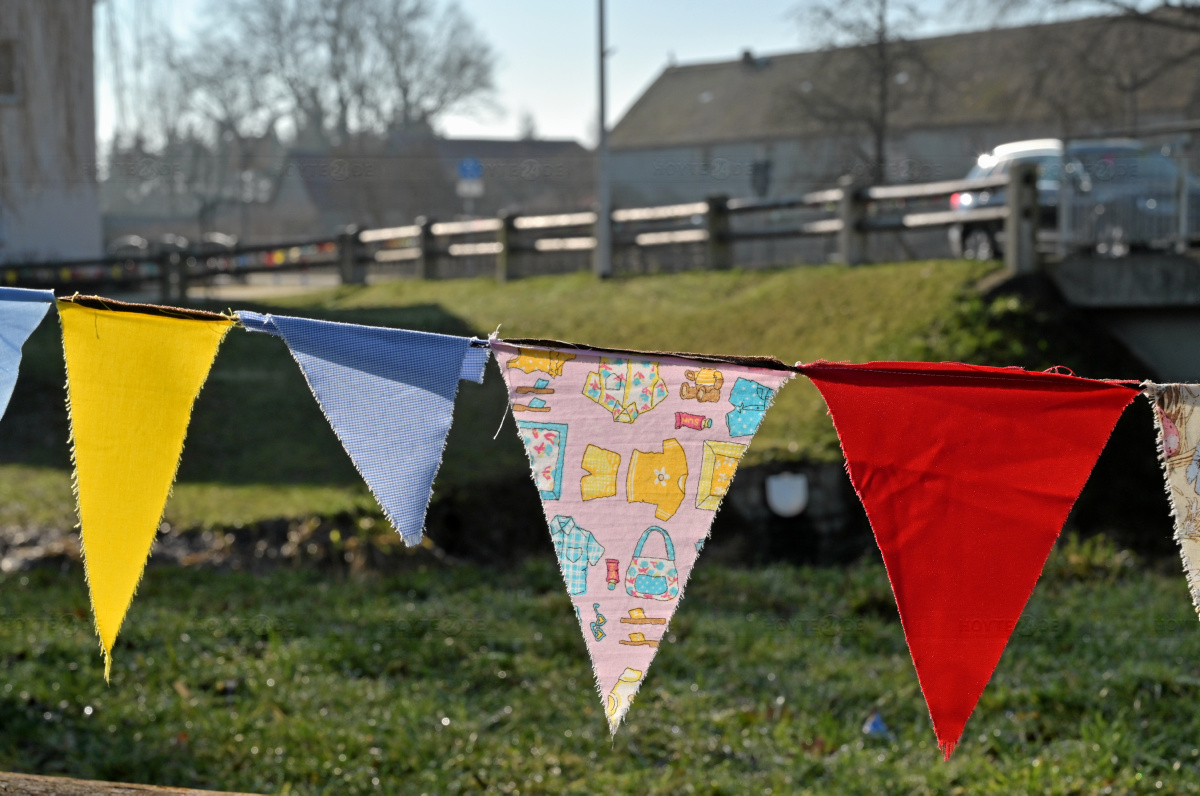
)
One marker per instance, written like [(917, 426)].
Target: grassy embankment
[(259, 449)]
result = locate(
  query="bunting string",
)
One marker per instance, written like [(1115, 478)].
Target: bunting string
[(966, 473)]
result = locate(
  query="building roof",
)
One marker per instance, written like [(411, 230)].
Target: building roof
[(1069, 72)]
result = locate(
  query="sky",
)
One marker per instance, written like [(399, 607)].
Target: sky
[(547, 53)]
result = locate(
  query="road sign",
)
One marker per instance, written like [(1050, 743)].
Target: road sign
[(470, 189), (470, 169)]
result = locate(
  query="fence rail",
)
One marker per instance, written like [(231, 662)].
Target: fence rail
[(849, 214)]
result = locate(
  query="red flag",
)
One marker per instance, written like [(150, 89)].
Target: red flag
[(967, 474)]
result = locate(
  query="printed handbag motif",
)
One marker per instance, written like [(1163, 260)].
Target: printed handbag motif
[(653, 578)]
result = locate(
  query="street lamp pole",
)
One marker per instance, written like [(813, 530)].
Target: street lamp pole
[(602, 262)]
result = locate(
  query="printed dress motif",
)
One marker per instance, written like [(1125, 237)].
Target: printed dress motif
[(651, 464), (1177, 416), (625, 387)]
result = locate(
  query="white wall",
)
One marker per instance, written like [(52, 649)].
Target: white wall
[(49, 205)]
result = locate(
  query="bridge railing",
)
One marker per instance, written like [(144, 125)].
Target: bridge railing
[(512, 245)]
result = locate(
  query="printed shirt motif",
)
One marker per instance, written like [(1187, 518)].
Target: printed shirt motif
[(1177, 415), (624, 623), (577, 550), (626, 388), (750, 401), (658, 478)]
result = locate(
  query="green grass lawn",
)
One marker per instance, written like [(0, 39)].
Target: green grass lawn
[(464, 680), (448, 679), (258, 447)]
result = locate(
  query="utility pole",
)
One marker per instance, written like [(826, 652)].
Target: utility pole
[(602, 262)]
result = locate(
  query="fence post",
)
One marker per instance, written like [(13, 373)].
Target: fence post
[(1020, 228), (852, 210), (350, 266), (427, 256), (504, 236), (720, 248), (1065, 208), (1181, 196), (172, 273), (602, 255)]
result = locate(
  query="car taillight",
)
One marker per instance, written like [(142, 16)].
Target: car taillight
[(955, 201)]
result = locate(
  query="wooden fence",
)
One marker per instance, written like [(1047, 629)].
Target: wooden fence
[(514, 244)]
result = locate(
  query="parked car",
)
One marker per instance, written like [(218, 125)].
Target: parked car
[(128, 246), (1123, 196)]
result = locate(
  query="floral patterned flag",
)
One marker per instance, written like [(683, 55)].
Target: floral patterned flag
[(631, 453), (1178, 422), (967, 474)]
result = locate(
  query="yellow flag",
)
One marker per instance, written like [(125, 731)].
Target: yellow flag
[(133, 373)]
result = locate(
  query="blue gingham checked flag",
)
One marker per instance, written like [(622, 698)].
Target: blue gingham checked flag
[(21, 311), (389, 396)]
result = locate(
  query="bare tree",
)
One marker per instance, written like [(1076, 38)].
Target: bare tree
[(1179, 15), (528, 126), (204, 126), (869, 68), (1099, 68), (345, 67), (334, 76)]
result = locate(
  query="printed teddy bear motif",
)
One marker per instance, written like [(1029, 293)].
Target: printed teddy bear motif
[(707, 388)]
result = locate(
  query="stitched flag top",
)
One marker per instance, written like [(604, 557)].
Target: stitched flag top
[(631, 453), (389, 396), (133, 373), (1178, 420), (967, 474), (20, 313)]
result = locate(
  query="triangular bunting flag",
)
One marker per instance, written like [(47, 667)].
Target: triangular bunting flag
[(1178, 425), (967, 475), (20, 312), (389, 396), (133, 373), (632, 453)]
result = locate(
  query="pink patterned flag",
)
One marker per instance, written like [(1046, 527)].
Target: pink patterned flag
[(632, 453)]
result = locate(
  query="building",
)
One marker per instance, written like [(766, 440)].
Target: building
[(49, 207), (781, 125), (269, 192)]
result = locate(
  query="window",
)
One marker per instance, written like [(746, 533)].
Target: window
[(10, 88)]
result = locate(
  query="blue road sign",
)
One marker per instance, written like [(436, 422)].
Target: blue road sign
[(470, 169)]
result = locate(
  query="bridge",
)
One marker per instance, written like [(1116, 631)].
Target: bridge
[(1150, 302)]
